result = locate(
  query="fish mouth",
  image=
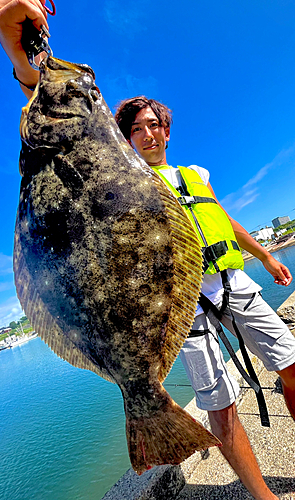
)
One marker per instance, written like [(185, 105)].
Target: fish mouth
[(61, 70), (61, 82), (60, 65)]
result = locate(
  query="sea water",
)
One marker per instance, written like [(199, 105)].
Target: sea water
[(62, 434)]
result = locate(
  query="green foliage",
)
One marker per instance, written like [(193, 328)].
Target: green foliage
[(28, 330), (16, 329), (289, 231), (289, 225)]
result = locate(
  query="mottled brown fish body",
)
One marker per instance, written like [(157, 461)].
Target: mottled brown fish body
[(107, 265)]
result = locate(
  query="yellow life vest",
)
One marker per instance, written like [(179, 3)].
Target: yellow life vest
[(213, 228)]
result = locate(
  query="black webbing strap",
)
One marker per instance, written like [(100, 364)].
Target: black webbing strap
[(215, 315), (215, 251), (235, 245), (188, 200), (203, 301), (193, 200), (198, 333)]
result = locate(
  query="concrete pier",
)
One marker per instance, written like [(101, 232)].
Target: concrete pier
[(274, 449), (208, 476)]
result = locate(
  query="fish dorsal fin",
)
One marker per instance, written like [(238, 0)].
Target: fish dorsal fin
[(42, 321), (187, 258)]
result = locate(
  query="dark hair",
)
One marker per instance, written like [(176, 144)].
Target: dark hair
[(127, 110)]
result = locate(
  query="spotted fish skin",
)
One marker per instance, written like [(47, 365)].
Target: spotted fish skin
[(107, 266)]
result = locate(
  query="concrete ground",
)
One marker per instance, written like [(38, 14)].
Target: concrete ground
[(274, 447)]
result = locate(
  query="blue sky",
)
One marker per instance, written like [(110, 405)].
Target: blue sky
[(227, 70)]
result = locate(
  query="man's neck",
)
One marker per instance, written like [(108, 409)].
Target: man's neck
[(159, 164)]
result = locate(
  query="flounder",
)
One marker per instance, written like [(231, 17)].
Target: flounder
[(107, 265)]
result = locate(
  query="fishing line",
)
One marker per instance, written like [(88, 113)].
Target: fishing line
[(241, 386)]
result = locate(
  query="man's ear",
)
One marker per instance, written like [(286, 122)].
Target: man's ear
[(167, 134)]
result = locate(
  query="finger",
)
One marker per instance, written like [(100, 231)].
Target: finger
[(40, 14), (284, 282), (34, 10), (287, 273)]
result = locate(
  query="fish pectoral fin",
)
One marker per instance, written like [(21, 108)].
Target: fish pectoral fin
[(166, 437)]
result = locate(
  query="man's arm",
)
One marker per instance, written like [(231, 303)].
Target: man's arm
[(279, 271), (12, 14)]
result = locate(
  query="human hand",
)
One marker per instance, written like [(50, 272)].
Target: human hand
[(278, 270), (12, 14)]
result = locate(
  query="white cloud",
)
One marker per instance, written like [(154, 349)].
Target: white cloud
[(126, 18), (260, 174), (234, 202), (5, 264), (10, 310)]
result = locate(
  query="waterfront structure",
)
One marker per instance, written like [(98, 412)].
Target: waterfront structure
[(263, 234), (14, 340), (278, 221), (5, 330)]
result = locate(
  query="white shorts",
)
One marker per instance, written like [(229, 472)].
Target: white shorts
[(264, 334)]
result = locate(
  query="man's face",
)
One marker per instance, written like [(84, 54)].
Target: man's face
[(148, 138)]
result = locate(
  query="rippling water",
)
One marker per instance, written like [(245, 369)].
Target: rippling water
[(62, 431)]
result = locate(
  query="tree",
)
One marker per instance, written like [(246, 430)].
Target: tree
[(13, 325), (23, 319)]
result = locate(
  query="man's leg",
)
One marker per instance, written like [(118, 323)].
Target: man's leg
[(236, 448), (215, 388), (288, 382)]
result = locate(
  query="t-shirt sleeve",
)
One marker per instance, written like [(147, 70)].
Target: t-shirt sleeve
[(203, 173)]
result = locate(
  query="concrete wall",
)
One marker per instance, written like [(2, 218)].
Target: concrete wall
[(287, 312)]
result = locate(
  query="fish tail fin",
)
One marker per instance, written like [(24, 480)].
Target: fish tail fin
[(165, 437)]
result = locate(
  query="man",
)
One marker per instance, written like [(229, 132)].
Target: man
[(146, 125)]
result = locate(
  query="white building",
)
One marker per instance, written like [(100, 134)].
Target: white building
[(263, 234), (5, 330)]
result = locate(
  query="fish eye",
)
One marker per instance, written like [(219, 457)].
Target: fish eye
[(94, 92)]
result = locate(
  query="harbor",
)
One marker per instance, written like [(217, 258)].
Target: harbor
[(15, 341), (68, 427)]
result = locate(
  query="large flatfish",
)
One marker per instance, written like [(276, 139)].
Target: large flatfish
[(107, 265)]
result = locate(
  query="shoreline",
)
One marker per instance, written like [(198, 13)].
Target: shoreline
[(271, 248)]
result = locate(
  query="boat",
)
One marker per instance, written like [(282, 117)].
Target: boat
[(2, 348), (22, 339)]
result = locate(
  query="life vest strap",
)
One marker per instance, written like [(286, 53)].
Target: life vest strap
[(216, 250), (198, 333), (215, 315), (193, 200)]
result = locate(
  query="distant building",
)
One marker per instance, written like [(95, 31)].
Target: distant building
[(5, 330), (263, 234), (278, 221), (280, 232)]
